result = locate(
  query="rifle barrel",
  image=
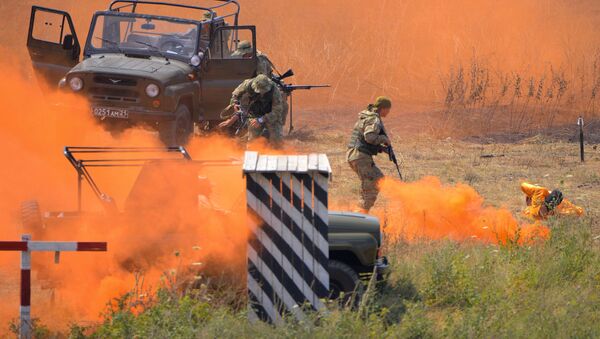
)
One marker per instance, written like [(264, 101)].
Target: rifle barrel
[(293, 87)]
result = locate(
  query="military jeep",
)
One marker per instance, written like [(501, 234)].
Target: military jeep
[(355, 240), (166, 72)]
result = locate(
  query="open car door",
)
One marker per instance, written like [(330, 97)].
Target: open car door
[(224, 70), (52, 44)]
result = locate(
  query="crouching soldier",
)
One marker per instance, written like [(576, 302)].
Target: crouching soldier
[(542, 203), (367, 139), (259, 102)]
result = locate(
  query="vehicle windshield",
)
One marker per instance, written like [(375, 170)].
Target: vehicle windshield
[(141, 34)]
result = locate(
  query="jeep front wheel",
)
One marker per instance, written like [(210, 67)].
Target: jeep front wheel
[(178, 131), (344, 284)]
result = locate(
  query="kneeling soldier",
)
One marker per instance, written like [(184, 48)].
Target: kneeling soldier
[(263, 103)]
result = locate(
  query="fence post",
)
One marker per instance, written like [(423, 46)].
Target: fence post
[(25, 308), (288, 249), (581, 149)]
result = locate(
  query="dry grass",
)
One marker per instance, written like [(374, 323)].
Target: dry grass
[(554, 164)]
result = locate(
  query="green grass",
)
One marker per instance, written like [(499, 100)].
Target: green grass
[(436, 289)]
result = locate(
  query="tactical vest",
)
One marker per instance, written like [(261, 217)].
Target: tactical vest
[(261, 104), (357, 140)]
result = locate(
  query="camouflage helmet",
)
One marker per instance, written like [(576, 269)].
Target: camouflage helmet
[(209, 15), (261, 84), (382, 102), (244, 47)]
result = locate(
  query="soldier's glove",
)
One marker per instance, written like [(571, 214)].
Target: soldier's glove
[(257, 123), (229, 122)]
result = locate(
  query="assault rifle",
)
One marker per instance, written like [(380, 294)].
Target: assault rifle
[(243, 118), (288, 89), (389, 150)]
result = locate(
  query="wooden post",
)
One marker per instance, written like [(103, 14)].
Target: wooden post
[(581, 149)]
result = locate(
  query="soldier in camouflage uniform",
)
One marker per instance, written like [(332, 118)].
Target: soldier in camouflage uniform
[(244, 50), (262, 100), (367, 139), (264, 66)]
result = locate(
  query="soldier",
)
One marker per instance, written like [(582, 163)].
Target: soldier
[(368, 139), (244, 50), (541, 203), (262, 100)]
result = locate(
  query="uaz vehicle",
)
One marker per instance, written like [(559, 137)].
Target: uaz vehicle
[(355, 239), (166, 72)]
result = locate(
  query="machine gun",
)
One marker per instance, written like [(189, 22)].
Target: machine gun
[(288, 89)]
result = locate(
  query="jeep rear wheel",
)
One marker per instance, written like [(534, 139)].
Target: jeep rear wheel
[(31, 218), (344, 284), (178, 131)]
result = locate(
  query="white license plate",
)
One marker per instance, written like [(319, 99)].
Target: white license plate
[(104, 112)]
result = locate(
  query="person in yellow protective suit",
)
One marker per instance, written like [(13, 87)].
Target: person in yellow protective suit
[(542, 202)]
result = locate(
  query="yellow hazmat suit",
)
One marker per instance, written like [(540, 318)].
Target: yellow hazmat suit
[(535, 200)]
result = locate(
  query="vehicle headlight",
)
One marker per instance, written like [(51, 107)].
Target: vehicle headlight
[(195, 60), (152, 90), (76, 84)]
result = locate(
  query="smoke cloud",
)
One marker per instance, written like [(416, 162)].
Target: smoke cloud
[(427, 209)]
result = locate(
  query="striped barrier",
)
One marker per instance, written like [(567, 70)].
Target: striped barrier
[(288, 249), (26, 246)]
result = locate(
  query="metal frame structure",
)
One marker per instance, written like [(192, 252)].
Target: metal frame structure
[(113, 9), (223, 3), (82, 165)]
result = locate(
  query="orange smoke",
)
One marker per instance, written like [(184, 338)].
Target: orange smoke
[(400, 48), (180, 214), (427, 209)]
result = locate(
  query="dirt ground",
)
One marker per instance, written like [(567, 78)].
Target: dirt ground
[(494, 163)]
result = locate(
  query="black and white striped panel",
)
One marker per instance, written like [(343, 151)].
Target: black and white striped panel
[(288, 249)]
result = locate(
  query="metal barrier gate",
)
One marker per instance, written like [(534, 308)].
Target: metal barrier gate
[(26, 246), (288, 249)]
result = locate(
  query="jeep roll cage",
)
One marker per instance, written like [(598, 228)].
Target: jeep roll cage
[(116, 6), (223, 4)]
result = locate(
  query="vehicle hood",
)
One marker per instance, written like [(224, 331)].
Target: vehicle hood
[(348, 222), (156, 68)]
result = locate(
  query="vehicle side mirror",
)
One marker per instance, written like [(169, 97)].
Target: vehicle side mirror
[(68, 42)]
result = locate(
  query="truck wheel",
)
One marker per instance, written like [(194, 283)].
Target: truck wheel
[(178, 131), (31, 217), (343, 279)]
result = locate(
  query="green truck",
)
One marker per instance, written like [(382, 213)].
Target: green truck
[(355, 240), (169, 73)]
